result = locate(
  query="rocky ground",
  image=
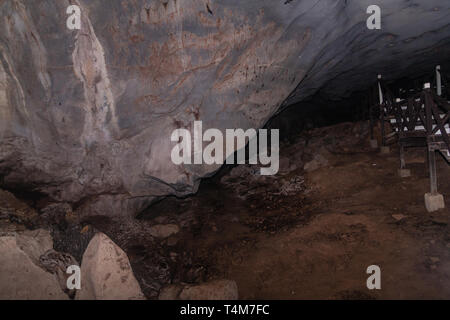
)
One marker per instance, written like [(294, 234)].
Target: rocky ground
[(336, 207)]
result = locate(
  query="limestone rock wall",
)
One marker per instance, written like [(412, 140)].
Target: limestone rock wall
[(86, 116)]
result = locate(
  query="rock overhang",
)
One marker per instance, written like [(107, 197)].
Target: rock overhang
[(87, 115)]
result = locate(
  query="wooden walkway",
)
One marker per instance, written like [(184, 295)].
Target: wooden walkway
[(416, 118)]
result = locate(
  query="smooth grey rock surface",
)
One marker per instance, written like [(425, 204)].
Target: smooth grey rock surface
[(86, 116), (21, 275), (106, 273)]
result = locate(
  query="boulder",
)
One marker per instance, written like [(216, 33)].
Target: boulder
[(21, 276), (164, 230), (106, 273)]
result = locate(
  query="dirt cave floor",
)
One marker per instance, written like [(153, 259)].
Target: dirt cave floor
[(310, 232), (303, 235)]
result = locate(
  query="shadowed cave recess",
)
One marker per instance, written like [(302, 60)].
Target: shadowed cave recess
[(86, 119)]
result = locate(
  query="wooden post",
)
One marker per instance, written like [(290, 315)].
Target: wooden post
[(402, 157), (382, 114), (431, 149), (380, 92), (432, 168), (438, 81)]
